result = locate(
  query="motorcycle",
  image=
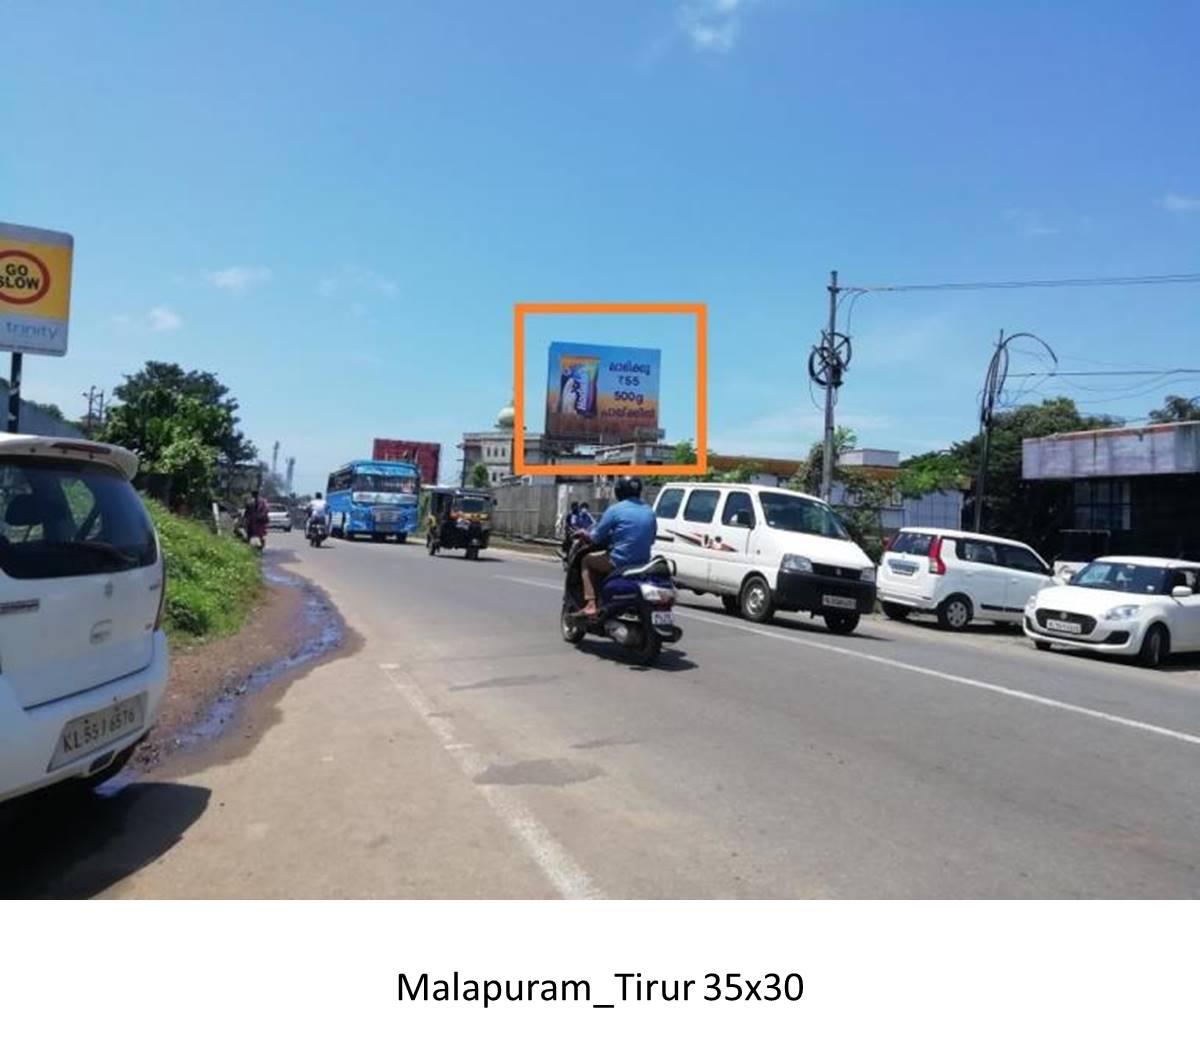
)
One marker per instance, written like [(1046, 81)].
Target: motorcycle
[(633, 605), (316, 531)]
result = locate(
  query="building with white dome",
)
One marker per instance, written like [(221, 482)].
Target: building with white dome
[(494, 449)]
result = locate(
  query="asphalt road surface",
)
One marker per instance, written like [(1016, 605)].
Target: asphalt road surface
[(462, 749)]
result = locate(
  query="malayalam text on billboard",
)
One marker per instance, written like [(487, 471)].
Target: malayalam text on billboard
[(602, 392)]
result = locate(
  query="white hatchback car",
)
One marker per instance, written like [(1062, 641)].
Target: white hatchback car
[(1122, 605), (83, 658), (959, 576)]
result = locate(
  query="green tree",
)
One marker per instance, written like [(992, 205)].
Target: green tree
[(480, 479), (202, 386), (179, 425), (1177, 408)]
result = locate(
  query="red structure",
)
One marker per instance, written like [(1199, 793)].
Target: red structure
[(426, 456)]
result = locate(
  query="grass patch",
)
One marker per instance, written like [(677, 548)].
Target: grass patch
[(211, 580)]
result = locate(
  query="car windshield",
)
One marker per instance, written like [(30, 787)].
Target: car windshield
[(1126, 577), (472, 504), (801, 515), (65, 518), (366, 483)]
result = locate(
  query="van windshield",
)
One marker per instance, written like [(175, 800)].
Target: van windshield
[(801, 515), (70, 518)]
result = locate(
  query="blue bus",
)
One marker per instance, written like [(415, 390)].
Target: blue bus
[(374, 498)]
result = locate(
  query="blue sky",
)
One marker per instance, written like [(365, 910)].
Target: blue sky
[(334, 206)]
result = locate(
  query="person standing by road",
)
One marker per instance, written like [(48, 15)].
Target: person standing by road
[(256, 519)]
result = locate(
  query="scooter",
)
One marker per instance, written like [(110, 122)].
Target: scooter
[(633, 605), (316, 531)]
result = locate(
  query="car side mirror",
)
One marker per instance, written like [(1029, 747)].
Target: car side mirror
[(1181, 592)]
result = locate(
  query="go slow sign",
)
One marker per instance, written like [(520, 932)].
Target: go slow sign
[(35, 289)]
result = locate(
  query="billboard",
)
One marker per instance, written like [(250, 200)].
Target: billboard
[(424, 455), (35, 289), (596, 393)]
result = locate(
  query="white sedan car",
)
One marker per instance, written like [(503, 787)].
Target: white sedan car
[(1144, 607)]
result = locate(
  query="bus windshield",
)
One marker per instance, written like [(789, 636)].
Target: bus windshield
[(365, 482)]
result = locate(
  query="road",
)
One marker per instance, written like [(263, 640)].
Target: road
[(462, 749)]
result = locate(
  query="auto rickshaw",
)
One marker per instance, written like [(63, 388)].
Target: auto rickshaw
[(458, 519)]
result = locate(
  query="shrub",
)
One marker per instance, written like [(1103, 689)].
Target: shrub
[(211, 580)]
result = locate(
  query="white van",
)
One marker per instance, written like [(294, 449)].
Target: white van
[(959, 576), (763, 549), (83, 661)]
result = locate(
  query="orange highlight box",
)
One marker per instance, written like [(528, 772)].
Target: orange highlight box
[(698, 310)]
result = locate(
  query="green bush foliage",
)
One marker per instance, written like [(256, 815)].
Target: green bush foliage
[(211, 580)]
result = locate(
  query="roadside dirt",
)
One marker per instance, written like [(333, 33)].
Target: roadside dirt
[(209, 691)]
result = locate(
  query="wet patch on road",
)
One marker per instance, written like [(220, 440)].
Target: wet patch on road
[(247, 704), (538, 772)]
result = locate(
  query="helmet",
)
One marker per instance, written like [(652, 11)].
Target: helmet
[(628, 486), (317, 495)]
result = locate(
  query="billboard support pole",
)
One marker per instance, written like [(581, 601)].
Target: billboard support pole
[(827, 451), (14, 393)]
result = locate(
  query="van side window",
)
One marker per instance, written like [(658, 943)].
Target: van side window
[(701, 505), (977, 551), (667, 505), (1022, 558), (738, 511)]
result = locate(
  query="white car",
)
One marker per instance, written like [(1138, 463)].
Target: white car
[(279, 517), (763, 549), (1122, 605), (959, 576), (83, 658)]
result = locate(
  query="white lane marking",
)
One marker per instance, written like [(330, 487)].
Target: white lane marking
[(530, 582), (925, 671), (562, 871), (998, 689)]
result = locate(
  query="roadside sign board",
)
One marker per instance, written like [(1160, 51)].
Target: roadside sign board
[(35, 289)]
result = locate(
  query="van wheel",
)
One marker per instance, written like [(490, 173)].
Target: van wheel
[(1156, 646), (729, 602), (841, 622), (894, 611), (954, 613), (401, 538), (755, 601)]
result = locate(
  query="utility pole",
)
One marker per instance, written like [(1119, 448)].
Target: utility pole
[(993, 386), (95, 411), (827, 363), (827, 453)]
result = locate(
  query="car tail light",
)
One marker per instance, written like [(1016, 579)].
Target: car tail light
[(162, 601), (936, 565)]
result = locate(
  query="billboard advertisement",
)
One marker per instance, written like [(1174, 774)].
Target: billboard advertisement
[(596, 393), (424, 455)]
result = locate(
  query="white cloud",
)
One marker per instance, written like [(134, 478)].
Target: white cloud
[(712, 25), (163, 318), (238, 280), (1029, 224), (1173, 202), (357, 281)]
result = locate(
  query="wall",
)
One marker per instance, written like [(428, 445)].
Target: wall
[(36, 422), (534, 510)]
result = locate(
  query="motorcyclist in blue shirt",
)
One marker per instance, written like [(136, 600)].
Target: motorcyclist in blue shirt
[(627, 530)]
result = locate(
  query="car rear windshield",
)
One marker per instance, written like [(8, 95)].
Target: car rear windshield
[(908, 543), (1122, 576), (70, 518), (801, 515)]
